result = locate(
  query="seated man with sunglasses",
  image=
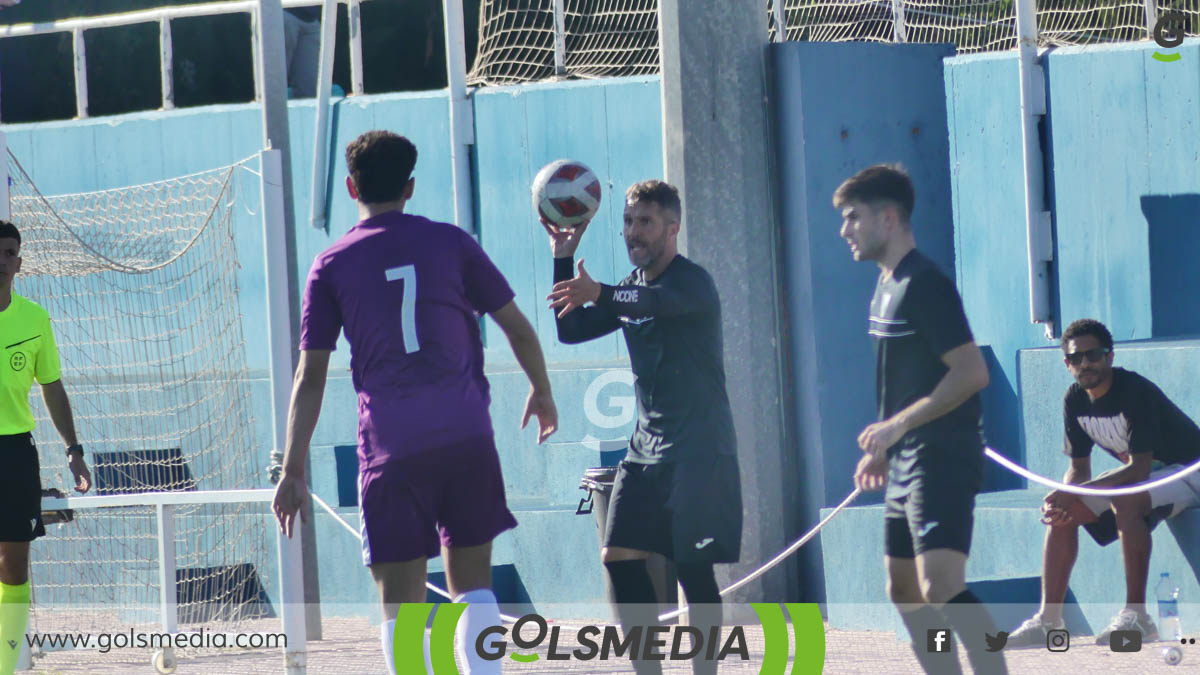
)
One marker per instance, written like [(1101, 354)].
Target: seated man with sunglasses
[(1131, 419)]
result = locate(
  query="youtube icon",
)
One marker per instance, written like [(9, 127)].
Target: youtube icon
[(1125, 641)]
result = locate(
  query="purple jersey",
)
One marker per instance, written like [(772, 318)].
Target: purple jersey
[(408, 292)]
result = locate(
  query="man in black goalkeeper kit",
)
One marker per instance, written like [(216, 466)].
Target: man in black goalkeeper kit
[(678, 491)]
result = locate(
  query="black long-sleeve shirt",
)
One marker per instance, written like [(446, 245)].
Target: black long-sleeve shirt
[(672, 326)]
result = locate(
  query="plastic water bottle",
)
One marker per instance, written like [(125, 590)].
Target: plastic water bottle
[(1168, 608)]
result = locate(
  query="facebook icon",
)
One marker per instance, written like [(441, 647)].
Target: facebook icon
[(939, 640)]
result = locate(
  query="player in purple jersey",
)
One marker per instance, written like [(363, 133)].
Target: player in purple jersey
[(408, 293)]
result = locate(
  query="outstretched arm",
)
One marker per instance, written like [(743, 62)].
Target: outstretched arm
[(584, 323), (635, 302), (528, 351), (588, 323)]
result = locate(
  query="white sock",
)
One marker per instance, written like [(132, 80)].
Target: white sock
[(387, 631), (482, 611)]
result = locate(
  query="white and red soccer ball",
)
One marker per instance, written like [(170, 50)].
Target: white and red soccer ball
[(566, 193)]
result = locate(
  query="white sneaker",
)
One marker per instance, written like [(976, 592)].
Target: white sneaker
[(1129, 619), (1033, 632)]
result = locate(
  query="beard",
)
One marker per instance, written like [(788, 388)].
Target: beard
[(646, 253)]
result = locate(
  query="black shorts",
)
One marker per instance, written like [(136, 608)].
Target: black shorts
[(690, 512), (930, 501), (20, 490)]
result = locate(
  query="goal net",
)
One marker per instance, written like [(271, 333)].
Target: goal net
[(141, 284), (605, 38), (972, 25), (600, 38)]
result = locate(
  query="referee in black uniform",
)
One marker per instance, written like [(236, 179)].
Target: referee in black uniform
[(678, 492), (29, 353), (928, 443)]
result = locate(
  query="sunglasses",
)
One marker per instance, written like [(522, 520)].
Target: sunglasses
[(1093, 355)]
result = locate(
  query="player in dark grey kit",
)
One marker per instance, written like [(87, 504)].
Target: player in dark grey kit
[(1132, 420), (928, 443), (678, 492)]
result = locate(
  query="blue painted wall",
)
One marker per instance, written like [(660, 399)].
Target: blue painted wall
[(825, 132), (1123, 152), (614, 126), (1123, 158)]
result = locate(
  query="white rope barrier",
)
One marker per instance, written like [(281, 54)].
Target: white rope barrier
[(778, 558), (795, 546), (1084, 490)]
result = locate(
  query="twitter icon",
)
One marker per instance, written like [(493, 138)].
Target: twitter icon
[(995, 644)]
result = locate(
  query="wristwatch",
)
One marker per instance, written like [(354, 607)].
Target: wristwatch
[(75, 448)]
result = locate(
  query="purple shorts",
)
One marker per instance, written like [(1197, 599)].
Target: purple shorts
[(450, 496)]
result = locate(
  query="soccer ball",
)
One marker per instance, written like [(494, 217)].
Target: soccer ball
[(566, 193)]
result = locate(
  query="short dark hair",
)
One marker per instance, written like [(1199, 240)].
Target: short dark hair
[(9, 231), (1082, 327), (380, 164), (658, 192), (877, 184)]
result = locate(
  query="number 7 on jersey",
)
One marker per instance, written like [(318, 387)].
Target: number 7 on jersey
[(408, 304)]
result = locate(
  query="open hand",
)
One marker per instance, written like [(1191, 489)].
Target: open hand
[(572, 293), (564, 240)]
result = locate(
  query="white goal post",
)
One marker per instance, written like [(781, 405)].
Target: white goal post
[(290, 562)]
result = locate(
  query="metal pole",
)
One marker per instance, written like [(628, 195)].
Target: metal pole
[(5, 207), (279, 339), (560, 39), (81, 92), (354, 23), (898, 22), (168, 599), (316, 212), (1039, 246), (291, 600), (255, 51), (166, 63), (462, 122), (780, 21), (273, 73), (1151, 16)]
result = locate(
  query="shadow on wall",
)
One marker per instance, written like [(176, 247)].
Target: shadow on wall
[(1173, 223), (1001, 425)]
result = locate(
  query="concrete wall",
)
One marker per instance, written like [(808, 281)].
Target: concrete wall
[(1123, 152), (613, 126), (1123, 158), (825, 131)]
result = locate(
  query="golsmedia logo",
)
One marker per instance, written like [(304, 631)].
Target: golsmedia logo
[(1168, 33), (532, 632)]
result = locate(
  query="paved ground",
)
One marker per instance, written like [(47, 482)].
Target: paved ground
[(351, 647)]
